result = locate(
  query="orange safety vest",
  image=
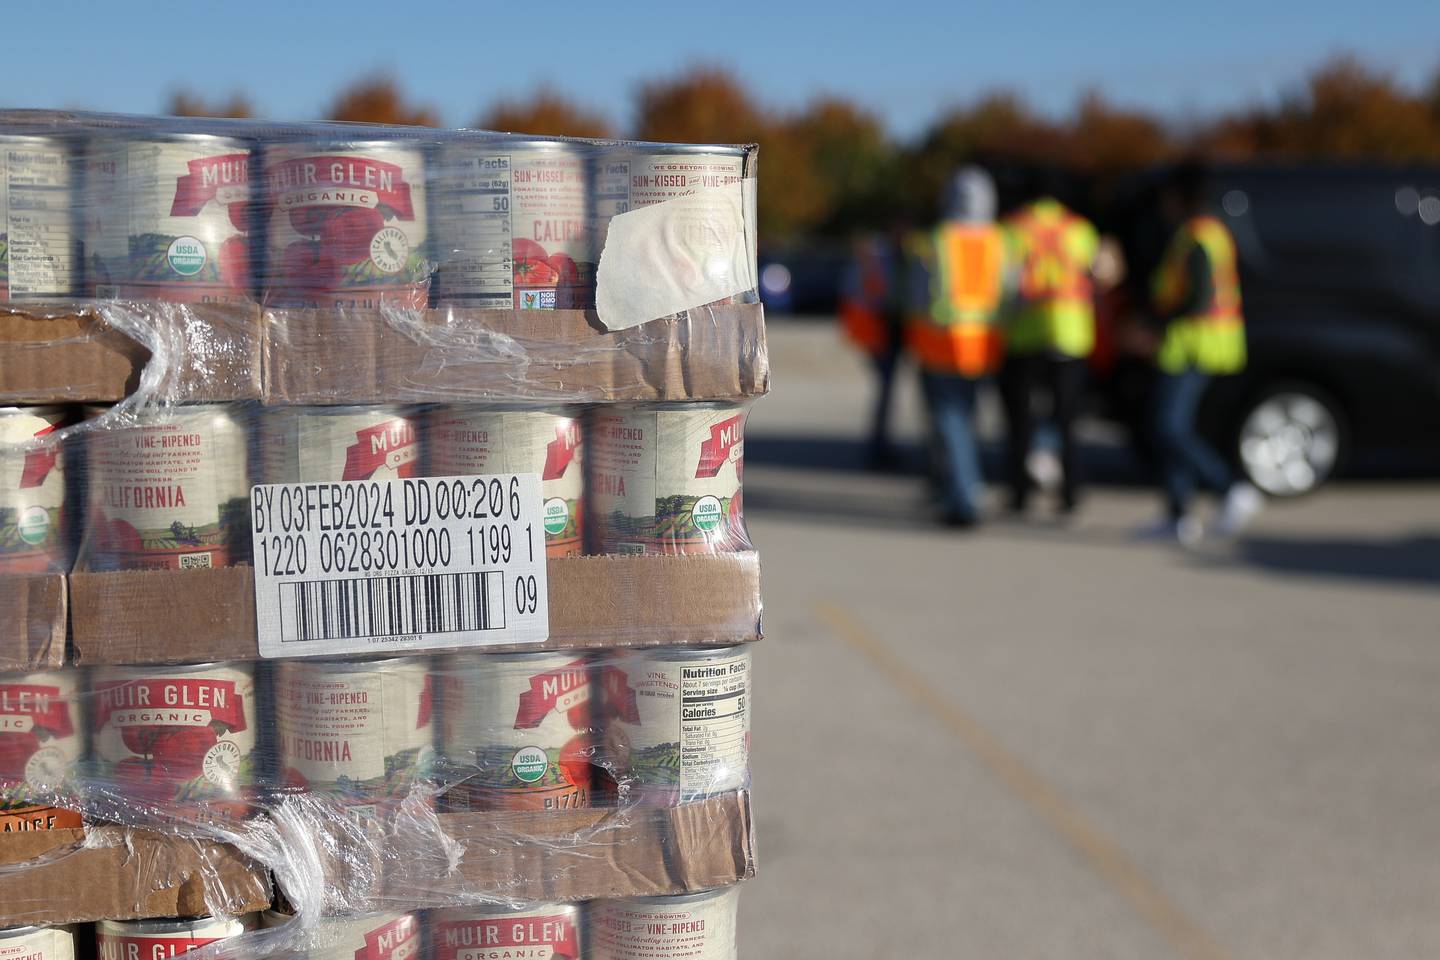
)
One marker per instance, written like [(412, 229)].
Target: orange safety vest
[(1054, 250), (862, 305), (953, 328)]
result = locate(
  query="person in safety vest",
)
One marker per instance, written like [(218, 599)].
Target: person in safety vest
[(951, 329), (872, 304), (1199, 335), (1050, 330)]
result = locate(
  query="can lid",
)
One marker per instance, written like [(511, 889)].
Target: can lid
[(40, 410), (683, 898), (693, 654), (227, 926)]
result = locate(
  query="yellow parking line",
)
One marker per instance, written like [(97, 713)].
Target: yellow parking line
[(1102, 854)]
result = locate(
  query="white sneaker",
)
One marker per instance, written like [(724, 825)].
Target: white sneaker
[(1242, 503), (1044, 468), (1187, 531)]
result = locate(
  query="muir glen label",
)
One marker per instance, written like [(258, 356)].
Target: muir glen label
[(174, 735), (517, 729), (373, 936), (40, 738), (37, 943), (362, 732), (666, 479), (347, 226), (471, 441), (314, 444), (170, 219), (543, 931), (32, 491), (170, 492)]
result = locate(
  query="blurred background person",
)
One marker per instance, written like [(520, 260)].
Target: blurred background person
[(1199, 334), (1050, 331), (957, 284), (872, 309)]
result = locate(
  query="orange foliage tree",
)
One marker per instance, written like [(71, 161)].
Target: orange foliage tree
[(189, 105), (547, 113), (378, 100)]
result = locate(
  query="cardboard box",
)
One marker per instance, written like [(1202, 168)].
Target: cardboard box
[(32, 627), (112, 872), (194, 616), (76, 356)]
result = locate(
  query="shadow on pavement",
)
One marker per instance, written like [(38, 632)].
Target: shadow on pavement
[(1414, 559)]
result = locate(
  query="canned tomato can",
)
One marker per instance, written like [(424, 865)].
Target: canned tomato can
[(549, 930), (474, 440), (169, 491), (41, 736), (321, 444), (361, 732), (370, 936), (175, 734), (516, 730), (32, 491), (170, 217), (512, 225), (37, 943), (161, 939), (677, 721), (347, 224), (39, 228), (666, 478), (697, 926)]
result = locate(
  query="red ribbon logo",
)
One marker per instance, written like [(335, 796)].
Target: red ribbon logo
[(619, 696), (715, 452), (567, 688), (40, 461), (385, 181), (557, 932), (205, 179), (560, 451), (391, 444), (49, 710), (382, 942), (216, 697)]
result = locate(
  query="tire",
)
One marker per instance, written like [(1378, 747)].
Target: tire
[(1290, 438)]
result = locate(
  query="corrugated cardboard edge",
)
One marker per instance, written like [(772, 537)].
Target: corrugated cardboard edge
[(76, 357), (716, 352), (190, 616), (586, 854), (61, 876), (32, 631)]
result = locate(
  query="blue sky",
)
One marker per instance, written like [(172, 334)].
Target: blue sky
[(906, 60)]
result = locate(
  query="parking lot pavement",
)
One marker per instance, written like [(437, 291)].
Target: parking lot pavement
[(1050, 740)]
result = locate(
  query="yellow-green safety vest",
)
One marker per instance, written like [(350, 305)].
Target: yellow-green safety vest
[(1053, 251), (1212, 339)]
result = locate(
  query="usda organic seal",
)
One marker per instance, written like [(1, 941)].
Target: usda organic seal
[(529, 764), (186, 256)]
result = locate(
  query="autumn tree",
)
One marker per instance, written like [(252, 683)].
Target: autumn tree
[(855, 163), (546, 113), (378, 100), (183, 104)]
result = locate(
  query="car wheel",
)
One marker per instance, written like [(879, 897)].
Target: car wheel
[(1291, 439)]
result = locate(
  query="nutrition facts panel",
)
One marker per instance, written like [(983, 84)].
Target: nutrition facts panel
[(476, 229), (714, 722), (36, 204)]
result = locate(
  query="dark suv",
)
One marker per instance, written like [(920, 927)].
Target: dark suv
[(1340, 275)]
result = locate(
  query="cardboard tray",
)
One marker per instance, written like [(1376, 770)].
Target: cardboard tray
[(237, 352), (197, 616), (111, 872), (32, 629)]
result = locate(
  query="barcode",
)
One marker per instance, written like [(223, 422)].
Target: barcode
[(392, 606)]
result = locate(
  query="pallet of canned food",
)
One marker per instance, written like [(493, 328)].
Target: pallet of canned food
[(373, 564)]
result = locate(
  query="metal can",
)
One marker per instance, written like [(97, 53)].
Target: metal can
[(40, 741), (371, 936), (347, 224), (360, 732), (175, 734), (319, 444), (666, 478), (169, 492), (37, 943), (548, 930), (472, 440), (517, 730), (39, 234), (170, 217), (677, 721), (512, 225), (161, 939), (698, 926), (32, 491)]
